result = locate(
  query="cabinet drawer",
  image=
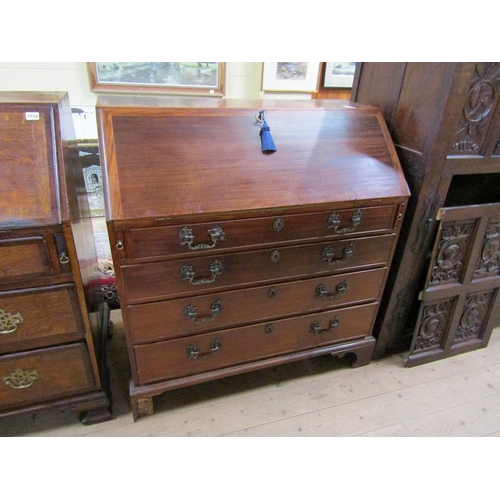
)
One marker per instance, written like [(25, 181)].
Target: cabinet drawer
[(197, 274), (39, 317), (169, 319), (210, 351), (24, 258), (43, 375), (201, 237)]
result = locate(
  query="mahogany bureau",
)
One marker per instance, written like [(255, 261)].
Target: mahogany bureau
[(230, 259), (51, 325)]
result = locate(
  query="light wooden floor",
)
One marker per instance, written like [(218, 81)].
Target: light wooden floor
[(459, 396)]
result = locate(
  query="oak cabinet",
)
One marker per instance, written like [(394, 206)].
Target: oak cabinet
[(51, 322), (444, 119)]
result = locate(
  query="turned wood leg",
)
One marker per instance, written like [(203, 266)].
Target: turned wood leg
[(142, 407)]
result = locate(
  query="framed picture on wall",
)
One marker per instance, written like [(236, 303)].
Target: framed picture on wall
[(290, 76), (339, 74), (193, 78)]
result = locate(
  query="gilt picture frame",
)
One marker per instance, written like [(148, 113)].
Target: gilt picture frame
[(290, 76), (176, 78)]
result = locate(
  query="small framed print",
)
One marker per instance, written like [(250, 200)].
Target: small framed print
[(290, 76), (339, 74)]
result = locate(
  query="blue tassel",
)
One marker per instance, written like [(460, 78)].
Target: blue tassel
[(266, 138)]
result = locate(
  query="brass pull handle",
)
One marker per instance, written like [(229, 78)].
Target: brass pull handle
[(187, 237), (193, 352), (188, 273), (327, 254), (119, 245), (191, 313), (20, 379), (334, 222), (9, 322), (322, 293), (63, 258), (315, 327)]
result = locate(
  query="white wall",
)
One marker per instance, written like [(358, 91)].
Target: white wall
[(243, 81), (70, 77)]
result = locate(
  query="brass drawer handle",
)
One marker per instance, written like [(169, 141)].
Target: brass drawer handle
[(327, 254), (193, 352), (9, 322), (188, 273), (322, 293), (187, 237), (191, 313), (63, 258), (20, 379), (315, 327), (334, 222)]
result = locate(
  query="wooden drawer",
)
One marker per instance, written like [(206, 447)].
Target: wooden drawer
[(210, 351), (169, 319), (39, 317), (196, 275), (24, 258), (32, 254), (44, 375), (153, 242)]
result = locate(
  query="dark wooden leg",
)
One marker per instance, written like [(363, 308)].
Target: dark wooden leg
[(359, 356), (360, 359), (95, 416), (362, 356), (142, 407)]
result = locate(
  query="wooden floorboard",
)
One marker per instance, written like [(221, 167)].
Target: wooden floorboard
[(458, 396)]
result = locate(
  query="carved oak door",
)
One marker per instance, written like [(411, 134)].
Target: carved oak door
[(460, 302)]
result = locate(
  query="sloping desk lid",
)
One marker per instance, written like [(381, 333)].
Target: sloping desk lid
[(168, 157), (31, 166)]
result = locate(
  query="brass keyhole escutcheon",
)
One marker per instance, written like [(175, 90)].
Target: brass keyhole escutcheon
[(278, 224), (269, 328), (275, 256), (271, 293)]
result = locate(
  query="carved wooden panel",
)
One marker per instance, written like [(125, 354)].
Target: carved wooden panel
[(459, 305), (454, 248), (488, 262), (434, 325), (474, 316), (478, 109)]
